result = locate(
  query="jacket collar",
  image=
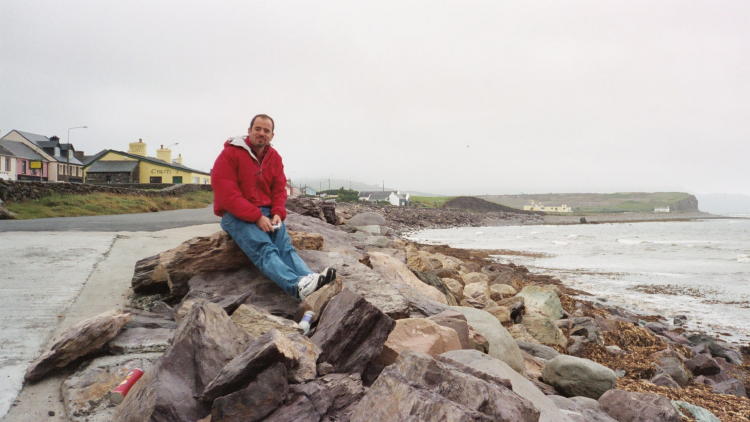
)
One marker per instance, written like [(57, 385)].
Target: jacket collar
[(239, 141)]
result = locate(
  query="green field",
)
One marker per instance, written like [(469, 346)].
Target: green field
[(99, 203), (431, 201)]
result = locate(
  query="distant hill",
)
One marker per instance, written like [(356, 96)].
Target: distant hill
[(472, 203), (323, 184), (604, 202)]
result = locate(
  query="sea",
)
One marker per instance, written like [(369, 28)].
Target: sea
[(699, 268)]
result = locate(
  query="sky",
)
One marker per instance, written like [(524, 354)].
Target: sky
[(453, 97)]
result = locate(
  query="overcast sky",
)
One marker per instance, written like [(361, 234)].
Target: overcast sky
[(438, 96)]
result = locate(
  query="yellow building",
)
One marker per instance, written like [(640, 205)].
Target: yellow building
[(111, 166)]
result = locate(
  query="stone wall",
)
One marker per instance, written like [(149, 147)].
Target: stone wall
[(20, 191)]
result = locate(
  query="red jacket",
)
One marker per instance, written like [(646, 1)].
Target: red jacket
[(241, 184)]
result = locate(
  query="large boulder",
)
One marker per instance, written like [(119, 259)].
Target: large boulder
[(418, 335), (418, 387), (83, 338), (544, 330), (495, 367), (146, 332), (396, 271), (543, 300), (254, 402), (501, 344), (698, 413), (351, 332), (573, 376), (328, 398), (256, 322), (581, 409), (702, 364), (670, 363), (628, 406), (456, 321), (205, 340), (367, 219), (295, 351)]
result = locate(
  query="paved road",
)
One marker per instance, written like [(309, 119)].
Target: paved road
[(148, 222)]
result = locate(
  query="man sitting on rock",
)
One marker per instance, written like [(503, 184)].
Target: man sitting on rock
[(250, 197)]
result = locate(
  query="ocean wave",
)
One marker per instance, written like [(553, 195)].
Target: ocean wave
[(743, 258), (630, 241)]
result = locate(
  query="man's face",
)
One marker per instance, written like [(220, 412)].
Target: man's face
[(261, 132)]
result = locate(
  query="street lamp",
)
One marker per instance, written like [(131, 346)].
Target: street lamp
[(67, 155)]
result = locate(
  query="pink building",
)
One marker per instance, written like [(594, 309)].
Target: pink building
[(22, 162)]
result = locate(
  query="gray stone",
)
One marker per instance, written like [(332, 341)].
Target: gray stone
[(544, 330), (538, 350), (664, 380), (252, 403), (574, 376), (367, 219), (581, 409), (501, 344), (543, 300), (703, 365), (141, 340), (481, 362), (418, 387), (670, 363), (328, 398), (696, 412), (626, 406)]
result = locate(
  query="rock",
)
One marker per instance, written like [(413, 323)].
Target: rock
[(538, 350), (85, 393), (395, 271), (367, 219), (248, 285), (731, 386), (418, 387), (574, 376), (698, 413), (502, 313), (302, 240), (581, 409), (351, 332), (324, 399), (373, 229), (83, 338), (6, 214), (703, 365), (295, 351), (501, 291), (205, 340), (679, 320), (479, 291), (257, 322), (501, 344), (614, 349), (475, 277), (436, 282), (543, 300), (657, 327), (670, 363), (576, 345), (717, 348), (587, 328), (252, 403), (170, 270), (516, 306), (454, 287), (456, 321), (317, 301), (418, 335), (483, 363), (664, 380), (629, 406), (141, 340), (544, 330)]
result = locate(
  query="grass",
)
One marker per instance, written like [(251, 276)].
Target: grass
[(431, 201), (59, 205)]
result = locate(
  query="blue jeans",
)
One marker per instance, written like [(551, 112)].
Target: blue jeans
[(271, 252)]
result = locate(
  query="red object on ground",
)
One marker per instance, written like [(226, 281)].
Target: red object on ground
[(118, 394)]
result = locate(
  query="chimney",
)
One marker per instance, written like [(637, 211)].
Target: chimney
[(178, 160), (79, 155), (137, 148), (54, 138), (164, 154)]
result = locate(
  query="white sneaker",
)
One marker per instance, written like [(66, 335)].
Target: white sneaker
[(307, 285)]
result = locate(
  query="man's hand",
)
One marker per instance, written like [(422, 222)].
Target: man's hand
[(275, 220), (264, 223)]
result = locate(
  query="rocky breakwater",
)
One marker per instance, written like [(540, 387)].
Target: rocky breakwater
[(407, 332)]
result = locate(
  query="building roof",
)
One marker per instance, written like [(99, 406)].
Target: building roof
[(4, 151), (376, 195), (44, 142), (20, 150), (33, 137), (112, 167), (152, 160)]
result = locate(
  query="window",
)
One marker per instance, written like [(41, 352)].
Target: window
[(154, 179), (23, 166), (109, 178), (176, 179)]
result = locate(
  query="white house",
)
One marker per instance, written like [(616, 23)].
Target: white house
[(392, 197), (7, 164), (662, 209), (536, 206)]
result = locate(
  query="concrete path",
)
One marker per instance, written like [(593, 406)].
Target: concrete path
[(52, 280), (150, 221)]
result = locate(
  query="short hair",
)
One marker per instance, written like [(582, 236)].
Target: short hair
[(265, 116)]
